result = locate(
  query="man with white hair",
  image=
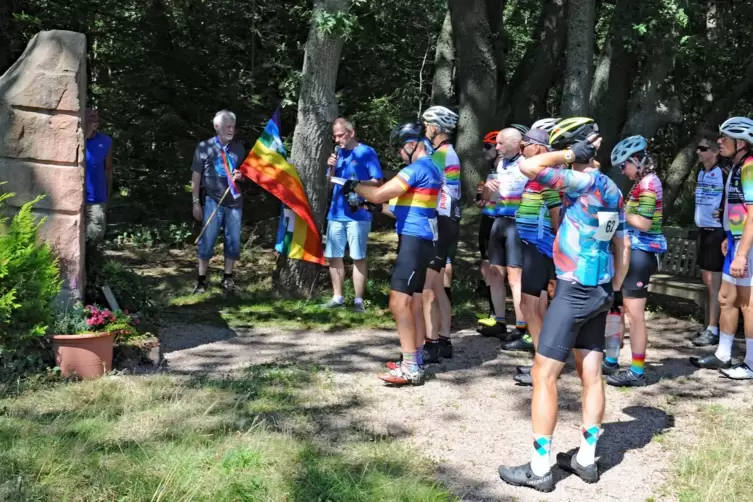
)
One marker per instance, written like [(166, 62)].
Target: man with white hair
[(215, 167)]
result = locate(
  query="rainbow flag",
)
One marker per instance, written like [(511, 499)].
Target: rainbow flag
[(267, 165)]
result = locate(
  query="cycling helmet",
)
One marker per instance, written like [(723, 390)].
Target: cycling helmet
[(627, 148), (738, 128), (523, 129), (404, 133), (571, 130), (545, 124), (445, 118), (491, 138)]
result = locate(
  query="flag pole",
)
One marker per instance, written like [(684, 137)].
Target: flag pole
[(209, 220)]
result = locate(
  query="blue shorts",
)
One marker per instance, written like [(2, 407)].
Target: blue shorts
[(747, 278), (354, 234), (227, 217)]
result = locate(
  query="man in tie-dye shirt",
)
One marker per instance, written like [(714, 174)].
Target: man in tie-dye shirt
[(588, 272), (736, 143)]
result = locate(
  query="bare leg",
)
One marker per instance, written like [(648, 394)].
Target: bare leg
[(431, 307), (400, 305), (588, 364), (729, 314), (514, 275), (713, 281), (203, 266), (544, 373), (496, 277), (448, 275), (360, 275), (418, 318), (531, 309), (229, 265), (337, 273), (445, 307), (635, 310)]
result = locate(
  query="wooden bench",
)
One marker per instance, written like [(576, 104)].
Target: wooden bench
[(678, 275)]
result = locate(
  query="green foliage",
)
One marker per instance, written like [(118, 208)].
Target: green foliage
[(70, 321), (174, 235), (131, 290), (77, 320)]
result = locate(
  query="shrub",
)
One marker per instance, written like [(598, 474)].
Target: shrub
[(132, 291)]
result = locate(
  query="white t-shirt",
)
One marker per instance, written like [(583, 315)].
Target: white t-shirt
[(709, 193)]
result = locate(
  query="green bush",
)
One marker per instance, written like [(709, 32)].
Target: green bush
[(130, 289), (29, 282)]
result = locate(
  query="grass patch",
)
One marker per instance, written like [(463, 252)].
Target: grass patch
[(260, 437), (718, 465)]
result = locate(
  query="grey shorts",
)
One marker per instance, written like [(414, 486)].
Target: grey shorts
[(96, 222)]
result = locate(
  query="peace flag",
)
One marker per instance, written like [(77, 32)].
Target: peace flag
[(267, 165)]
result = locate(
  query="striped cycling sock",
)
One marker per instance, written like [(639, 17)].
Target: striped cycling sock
[(639, 361), (542, 447)]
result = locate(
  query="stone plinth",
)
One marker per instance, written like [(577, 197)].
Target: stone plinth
[(42, 104)]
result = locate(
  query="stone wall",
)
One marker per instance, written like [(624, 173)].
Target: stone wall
[(42, 104)]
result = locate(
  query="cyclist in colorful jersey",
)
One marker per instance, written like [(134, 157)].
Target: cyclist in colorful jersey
[(505, 247), (416, 188), (538, 221), (736, 144), (644, 212), (439, 124), (488, 211), (588, 274), (709, 201)]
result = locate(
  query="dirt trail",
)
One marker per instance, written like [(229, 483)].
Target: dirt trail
[(470, 416)]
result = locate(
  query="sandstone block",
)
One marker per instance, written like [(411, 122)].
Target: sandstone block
[(65, 233), (39, 136), (63, 187)]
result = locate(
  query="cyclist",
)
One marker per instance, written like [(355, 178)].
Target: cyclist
[(439, 124), (587, 275), (736, 144), (488, 210), (644, 211), (505, 249), (416, 189)]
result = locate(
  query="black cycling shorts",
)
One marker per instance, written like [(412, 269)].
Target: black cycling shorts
[(576, 319), (709, 249), (642, 266), (484, 231), (538, 270), (413, 257), (505, 246), (449, 233)]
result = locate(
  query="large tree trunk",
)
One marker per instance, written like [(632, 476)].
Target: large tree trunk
[(312, 144), (495, 10), (580, 49), (442, 89), (535, 75), (10, 43), (683, 163), (477, 85)]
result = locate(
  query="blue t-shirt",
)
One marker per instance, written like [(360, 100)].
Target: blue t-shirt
[(97, 149), (416, 209), (362, 164)]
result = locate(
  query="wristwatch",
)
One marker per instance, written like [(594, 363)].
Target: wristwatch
[(569, 156)]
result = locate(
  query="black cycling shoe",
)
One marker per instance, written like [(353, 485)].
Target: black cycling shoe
[(569, 462), (524, 379), (706, 338), (710, 362), (522, 475), (431, 352), (445, 348), (522, 344), (609, 368), (523, 370), (627, 378), (498, 330)]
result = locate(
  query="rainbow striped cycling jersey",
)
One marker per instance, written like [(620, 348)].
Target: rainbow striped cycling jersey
[(449, 197), (646, 200), (416, 209), (534, 219), (595, 215), (739, 196), (511, 185)]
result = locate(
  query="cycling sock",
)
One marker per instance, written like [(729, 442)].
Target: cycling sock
[(448, 292), (639, 361), (410, 360), (444, 338), (542, 447), (358, 300), (521, 326), (227, 276), (724, 350), (202, 279), (713, 329), (420, 355), (338, 299), (587, 452), (749, 352), (611, 360), (500, 320)]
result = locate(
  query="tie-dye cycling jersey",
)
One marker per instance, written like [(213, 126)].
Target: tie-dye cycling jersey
[(534, 219), (595, 214), (647, 200), (739, 196), (449, 197), (511, 185)]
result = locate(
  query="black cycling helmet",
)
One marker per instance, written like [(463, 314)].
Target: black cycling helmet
[(403, 133), (571, 130)]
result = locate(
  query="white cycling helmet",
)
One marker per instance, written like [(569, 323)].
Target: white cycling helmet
[(738, 128), (545, 124), (445, 118), (627, 148)]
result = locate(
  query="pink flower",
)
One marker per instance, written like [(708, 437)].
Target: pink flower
[(90, 322)]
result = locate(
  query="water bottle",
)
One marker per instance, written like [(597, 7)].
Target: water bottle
[(612, 334)]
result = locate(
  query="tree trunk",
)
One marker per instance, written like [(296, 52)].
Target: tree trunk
[(442, 89), (495, 10), (312, 144), (535, 75), (683, 163), (10, 45), (580, 50), (477, 86)]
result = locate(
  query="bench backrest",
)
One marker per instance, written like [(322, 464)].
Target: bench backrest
[(680, 258)]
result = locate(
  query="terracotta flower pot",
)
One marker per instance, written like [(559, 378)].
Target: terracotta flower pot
[(86, 355)]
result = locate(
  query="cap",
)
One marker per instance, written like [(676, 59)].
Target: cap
[(537, 137)]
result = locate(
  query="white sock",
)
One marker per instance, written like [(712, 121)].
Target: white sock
[(338, 299), (358, 300), (724, 350), (587, 452), (749, 352), (542, 448), (713, 329)]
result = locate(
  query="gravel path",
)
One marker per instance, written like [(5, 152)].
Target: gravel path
[(470, 416)]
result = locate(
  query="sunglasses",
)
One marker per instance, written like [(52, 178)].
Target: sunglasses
[(489, 146), (702, 148)]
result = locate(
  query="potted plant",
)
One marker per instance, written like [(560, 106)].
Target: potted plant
[(83, 339)]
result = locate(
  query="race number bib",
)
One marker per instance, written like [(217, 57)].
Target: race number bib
[(434, 229), (607, 225)]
